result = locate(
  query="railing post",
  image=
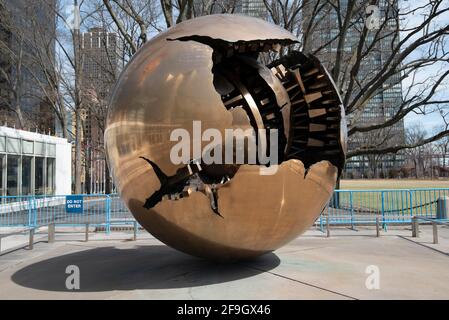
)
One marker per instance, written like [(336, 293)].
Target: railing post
[(135, 231), (35, 212), (377, 227), (30, 212), (435, 232), (352, 209), (87, 232), (415, 227), (384, 225), (108, 214), (51, 233), (31, 240)]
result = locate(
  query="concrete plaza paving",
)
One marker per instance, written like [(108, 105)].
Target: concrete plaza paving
[(311, 267)]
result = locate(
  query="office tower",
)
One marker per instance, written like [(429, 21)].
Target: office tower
[(100, 56), (384, 103), (253, 8), (27, 47)]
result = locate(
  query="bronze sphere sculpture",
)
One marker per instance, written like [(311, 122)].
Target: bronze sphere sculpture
[(207, 74)]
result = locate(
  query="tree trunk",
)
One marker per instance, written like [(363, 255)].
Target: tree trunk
[(108, 187), (416, 168), (20, 120), (88, 171), (78, 141), (78, 107)]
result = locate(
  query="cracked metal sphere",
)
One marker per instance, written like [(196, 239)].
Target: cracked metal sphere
[(209, 71)]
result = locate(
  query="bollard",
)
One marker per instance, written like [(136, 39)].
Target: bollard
[(435, 232), (377, 227), (0, 244), (87, 232), (328, 232), (135, 231), (31, 242), (415, 227), (51, 233)]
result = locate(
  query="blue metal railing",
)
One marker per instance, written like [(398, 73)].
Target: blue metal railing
[(392, 206), (347, 207), (36, 211)]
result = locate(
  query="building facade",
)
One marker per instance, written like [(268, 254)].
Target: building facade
[(33, 164), (100, 52), (252, 8), (384, 103), (27, 48)]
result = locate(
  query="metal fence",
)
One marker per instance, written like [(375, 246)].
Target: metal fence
[(391, 206), (347, 207), (36, 211)]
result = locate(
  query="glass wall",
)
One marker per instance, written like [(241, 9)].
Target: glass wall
[(27, 167), (39, 176), (27, 163), (12, 181)]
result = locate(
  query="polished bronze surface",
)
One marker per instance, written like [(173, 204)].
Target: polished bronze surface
[(207, 70)]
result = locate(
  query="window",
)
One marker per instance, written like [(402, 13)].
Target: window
[(39, 176), (39, 148), (26, 175), (12, 176), (13, 145), (27, 147), (2, 144), (51, 150)]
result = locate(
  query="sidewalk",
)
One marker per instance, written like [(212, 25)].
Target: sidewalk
[(311, 267)]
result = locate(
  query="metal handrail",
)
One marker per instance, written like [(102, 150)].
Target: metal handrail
[(435, 223), (31, 231)]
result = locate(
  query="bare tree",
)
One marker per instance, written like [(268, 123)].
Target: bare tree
[(415, 135), (133, 20), (416, 55), (12, 82), (17, 49), (68, 47)]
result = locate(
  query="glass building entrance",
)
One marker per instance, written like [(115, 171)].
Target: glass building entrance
[(27, 167)]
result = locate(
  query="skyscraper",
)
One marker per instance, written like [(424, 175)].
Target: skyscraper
[(252, 8), (100, 52), (27, 47), (322, 40)]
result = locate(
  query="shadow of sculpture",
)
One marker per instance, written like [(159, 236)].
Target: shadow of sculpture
[(141, 267)]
